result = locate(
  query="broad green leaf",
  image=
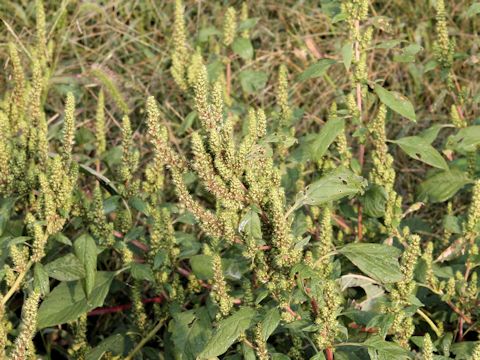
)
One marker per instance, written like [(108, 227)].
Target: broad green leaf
[(205, 33), (243, 48), (473, 10), (270, 323), (67, 301), (397, 102), (325, 138), (441, 186), (227, 333), (419, 149), (86, 251), (66, 268), (333, 186), (202, 266), (142, 272), (247, 24), (465, 140), (190, 332), (316, 70), (252, 81), (376, 260), (40, 279)]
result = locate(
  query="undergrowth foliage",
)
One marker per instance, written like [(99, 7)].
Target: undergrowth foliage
[(247, 229)]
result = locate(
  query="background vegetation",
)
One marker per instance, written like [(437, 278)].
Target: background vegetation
[(264, 179)]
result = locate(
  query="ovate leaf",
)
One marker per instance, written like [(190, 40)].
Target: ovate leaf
[(473, 10), (202, 266), (441, 186), (66, 268), (397, 102), (466, 139), (68, 301), (376, 260), (333, 186), (252, 81), (347, 55), (243, 48), (316, 70), (227, 333), (86, 251), (419, 149)]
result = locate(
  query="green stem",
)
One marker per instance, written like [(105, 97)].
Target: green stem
[(430, 322), (145, 340), (16, 284)]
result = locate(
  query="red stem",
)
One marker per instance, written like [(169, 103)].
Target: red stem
[(118, 308)]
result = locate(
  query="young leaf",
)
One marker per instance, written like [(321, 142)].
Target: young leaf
[(316, 70), (419, 149), (227, 333), (376, 260), (86, 251), (333, 186), (441, 186), (67, 301), (243, 48), (397, 102), (327, 135)]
